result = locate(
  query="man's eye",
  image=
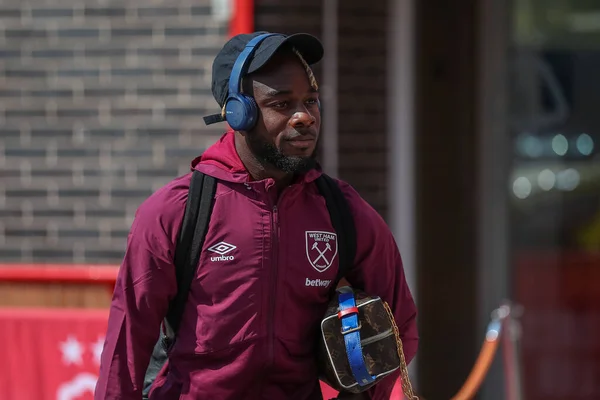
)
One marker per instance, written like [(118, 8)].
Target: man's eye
[(280, 104), (312, 101)]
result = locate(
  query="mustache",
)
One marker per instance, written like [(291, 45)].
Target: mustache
[(307, 133)]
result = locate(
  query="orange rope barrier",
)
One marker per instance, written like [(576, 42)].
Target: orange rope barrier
[(482, 365), (497, 330)]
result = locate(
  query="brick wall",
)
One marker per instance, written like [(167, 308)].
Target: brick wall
[(362, 42), (290, 16), (362, 98), (100, 104)]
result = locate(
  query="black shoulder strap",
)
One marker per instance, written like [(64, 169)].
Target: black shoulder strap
[(342, 221), (191, 238)]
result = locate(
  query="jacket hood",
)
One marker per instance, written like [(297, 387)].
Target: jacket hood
[(222, 161)]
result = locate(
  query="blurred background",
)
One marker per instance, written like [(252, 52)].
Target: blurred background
[(472, 127)]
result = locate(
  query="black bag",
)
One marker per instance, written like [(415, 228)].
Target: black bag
[(191, 239)]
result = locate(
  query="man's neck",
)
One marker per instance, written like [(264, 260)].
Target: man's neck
[(257, 170)]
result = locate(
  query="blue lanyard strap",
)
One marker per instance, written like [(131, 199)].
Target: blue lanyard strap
[(351, 326)]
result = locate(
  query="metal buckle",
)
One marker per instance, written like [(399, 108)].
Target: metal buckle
[(351, 329)]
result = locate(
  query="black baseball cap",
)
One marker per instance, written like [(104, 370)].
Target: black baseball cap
[(307, 45)]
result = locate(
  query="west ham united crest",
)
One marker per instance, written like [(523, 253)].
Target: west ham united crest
[(321, 249)]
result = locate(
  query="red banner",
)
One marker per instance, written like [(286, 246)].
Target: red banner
[(50, 354), (54, 354)]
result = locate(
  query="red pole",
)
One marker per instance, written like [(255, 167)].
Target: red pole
[(242, 20)]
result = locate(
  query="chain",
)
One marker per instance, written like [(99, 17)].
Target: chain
[(407, 388)]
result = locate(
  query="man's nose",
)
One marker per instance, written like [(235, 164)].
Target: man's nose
[(302, 118)]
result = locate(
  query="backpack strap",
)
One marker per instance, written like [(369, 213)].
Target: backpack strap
[(342, 221), (198, 210)]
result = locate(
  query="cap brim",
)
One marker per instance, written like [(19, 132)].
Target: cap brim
[(309, 46)]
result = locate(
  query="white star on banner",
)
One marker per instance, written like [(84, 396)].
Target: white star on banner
[(72, 351), (97, 349)]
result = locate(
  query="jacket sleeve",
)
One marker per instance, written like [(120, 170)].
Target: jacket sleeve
[(145, 284), (379, 271)]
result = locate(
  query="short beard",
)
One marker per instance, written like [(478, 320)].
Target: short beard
[(267, 153)]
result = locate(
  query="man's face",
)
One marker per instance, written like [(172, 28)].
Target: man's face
[(289, 121)]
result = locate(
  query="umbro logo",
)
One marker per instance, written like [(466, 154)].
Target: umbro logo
[(222, 248)]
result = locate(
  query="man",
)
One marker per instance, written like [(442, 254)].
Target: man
[(250, 325)]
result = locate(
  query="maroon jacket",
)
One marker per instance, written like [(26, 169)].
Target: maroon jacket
[(250, 324)]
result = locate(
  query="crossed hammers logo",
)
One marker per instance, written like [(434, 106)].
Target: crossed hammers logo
[(315, 246)]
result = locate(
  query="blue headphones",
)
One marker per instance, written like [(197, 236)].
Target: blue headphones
[(241, 111)]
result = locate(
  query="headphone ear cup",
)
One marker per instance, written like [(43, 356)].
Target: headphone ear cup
[(251, 113), (241, 112)]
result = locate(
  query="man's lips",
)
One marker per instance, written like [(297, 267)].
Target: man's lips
[(306, 137), (301, 142)]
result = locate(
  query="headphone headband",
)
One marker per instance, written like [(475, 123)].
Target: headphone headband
[(241, 63)]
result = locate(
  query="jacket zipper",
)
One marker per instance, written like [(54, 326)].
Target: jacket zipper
[(273, 289)]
